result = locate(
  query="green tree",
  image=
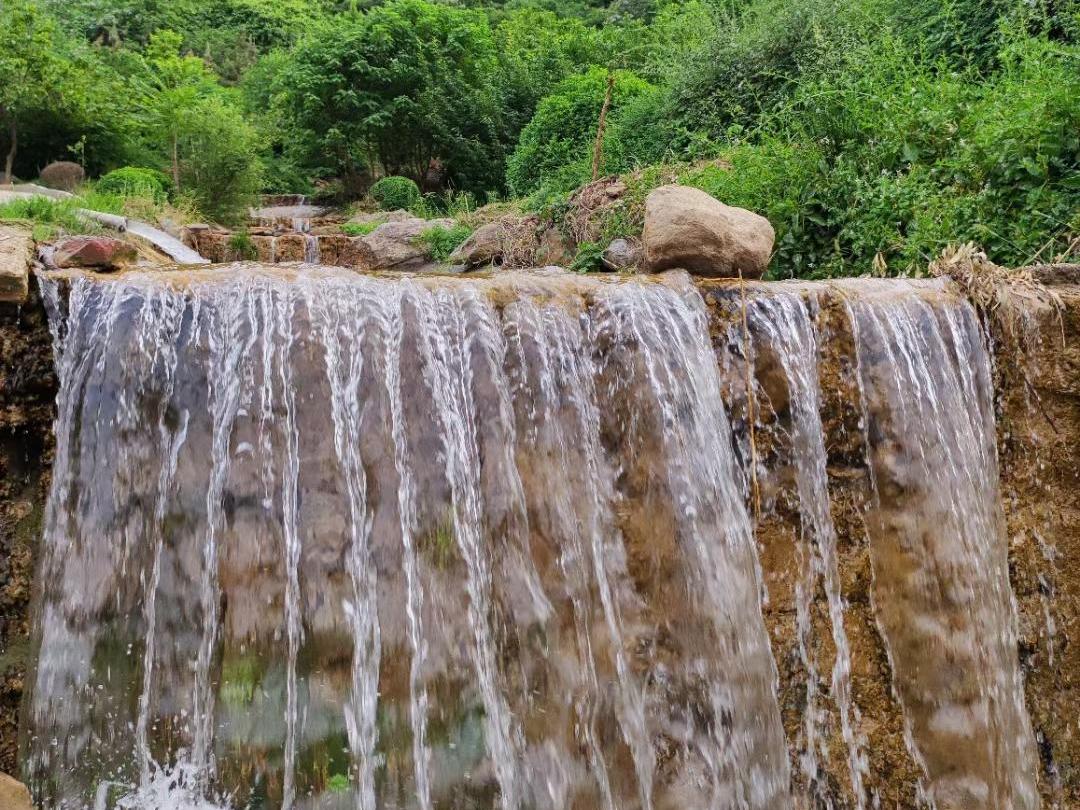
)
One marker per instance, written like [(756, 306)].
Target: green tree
[(34, 71), (179, 83), (402, 87), (220, 165)]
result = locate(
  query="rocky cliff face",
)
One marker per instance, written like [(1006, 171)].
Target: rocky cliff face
[(27, 391)]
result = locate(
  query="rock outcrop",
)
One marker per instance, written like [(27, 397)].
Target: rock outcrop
[(484, 246), (686, 228), (98, 252), (397, 246), (16, 250)]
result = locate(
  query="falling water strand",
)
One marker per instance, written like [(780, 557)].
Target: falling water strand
[(223, 335), (783, 324), (342, 337), (938, 548), (172, 441), (451, 381), (418, 696)]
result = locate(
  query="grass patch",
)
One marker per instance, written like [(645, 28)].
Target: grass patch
[(439, 242), (359, 228), (241, 247), (47, 217)]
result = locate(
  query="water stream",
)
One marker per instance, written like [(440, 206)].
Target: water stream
[(317, 539)]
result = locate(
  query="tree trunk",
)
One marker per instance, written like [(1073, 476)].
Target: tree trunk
[(175, 164), (9, 163), (598, 147)]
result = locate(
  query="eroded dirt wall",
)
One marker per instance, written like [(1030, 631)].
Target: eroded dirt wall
[(1039, 446), (27, 392)]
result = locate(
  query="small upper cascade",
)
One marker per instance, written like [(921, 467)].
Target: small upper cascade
[(321, 537)]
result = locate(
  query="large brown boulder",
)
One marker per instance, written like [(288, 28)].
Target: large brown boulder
[(99, 252), (686, 228), (13, 794), (62, 175), (16, 250)]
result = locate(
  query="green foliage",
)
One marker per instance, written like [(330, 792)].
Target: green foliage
[(588, 258), (339, 783), (440, 242), (133, 181), (221, 169), (406, 85), (555, 149), (359, 228), (393, 193)]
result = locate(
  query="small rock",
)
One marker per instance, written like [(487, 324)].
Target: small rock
[(101, 252), (62, 175), (686, 228), (14, 795), (485, 246), (621, 254), (16, 250)]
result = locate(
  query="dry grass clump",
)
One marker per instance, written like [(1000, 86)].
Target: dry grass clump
[(1009, 297), (588, 208)]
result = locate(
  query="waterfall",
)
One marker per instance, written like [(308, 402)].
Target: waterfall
[(938, 546), (416, 542), (781, 324)]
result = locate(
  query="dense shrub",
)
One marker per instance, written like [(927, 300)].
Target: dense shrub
[(392, 193), (134, 181), (556, 147)]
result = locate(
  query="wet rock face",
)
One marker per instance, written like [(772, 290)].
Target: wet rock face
[(14, 795), (892, 533), (27, 390), (686, 228), (1038, 384)]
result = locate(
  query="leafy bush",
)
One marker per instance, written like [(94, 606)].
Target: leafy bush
[(134, 181), (392, 193), (589, 258), (222, 170), (440, 242)]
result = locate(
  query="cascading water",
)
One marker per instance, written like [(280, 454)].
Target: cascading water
[(323, 540), (938, 547), (781, 324)]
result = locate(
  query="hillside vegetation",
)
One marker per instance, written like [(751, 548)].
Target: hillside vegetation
[(872, 133)]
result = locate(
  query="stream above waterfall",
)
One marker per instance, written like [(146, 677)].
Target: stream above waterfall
[(320, 539)]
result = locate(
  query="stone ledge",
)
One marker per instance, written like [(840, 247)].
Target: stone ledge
[(16, 250)]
